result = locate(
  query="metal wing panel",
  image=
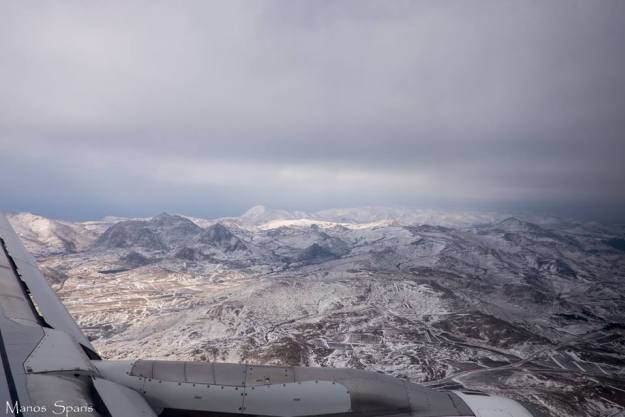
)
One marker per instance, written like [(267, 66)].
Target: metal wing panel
[(16, 343), (309, 398), (122, 401), (57, 351), (61, 395), (46, 300), (5, 392)]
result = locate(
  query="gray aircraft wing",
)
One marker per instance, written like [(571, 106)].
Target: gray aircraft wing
[(47, 303), (45, 357)]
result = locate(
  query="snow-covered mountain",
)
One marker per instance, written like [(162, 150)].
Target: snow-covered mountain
[(258, 215), (44, 236), (528, 306)]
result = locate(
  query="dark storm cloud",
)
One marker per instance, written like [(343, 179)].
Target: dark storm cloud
[(209, 107)]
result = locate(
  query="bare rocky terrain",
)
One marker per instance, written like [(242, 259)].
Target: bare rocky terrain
[(527, 307)]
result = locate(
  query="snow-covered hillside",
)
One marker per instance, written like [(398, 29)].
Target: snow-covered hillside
[(531, 307), (43, 236)]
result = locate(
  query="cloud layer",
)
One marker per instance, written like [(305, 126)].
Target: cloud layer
[(210, 107)]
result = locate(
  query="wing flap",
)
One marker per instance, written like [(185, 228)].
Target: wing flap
[(122, 401)]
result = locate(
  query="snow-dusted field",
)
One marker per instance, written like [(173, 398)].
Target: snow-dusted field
[(528, 307)]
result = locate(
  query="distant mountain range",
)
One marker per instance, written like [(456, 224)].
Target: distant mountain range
[(529, 306)]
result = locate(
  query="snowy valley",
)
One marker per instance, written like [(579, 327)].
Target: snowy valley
[(528, 307)]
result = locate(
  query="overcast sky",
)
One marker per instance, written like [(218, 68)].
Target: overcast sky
[(207, 108)]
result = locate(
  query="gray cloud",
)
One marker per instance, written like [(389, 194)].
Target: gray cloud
[(209, 107)]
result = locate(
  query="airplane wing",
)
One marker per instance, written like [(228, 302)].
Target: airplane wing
[(51, 311), (50, 368), (45, 357)]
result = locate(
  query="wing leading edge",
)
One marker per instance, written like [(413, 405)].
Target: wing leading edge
[(45, 357), (42, 296)]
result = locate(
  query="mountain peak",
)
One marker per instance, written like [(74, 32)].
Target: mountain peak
[(255, 211), (162, 216), (261, 214), (513, 224), (511, 220), (316, 253), (45, 236), (219, 235)]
